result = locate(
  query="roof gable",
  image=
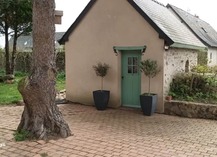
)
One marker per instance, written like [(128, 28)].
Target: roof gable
[(201, 29), (77, 21), (159, 17), (162, 35)]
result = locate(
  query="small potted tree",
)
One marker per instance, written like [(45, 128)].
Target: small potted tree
[(148, 101), (101, 97)]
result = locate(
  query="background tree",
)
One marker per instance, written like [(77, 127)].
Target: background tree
[(15, 20), (1, 59), (21, 24), (41, 116), (5, 19)]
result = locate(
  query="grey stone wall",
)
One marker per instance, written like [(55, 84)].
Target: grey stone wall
[(212, 56), (174, 62), (191, 110)]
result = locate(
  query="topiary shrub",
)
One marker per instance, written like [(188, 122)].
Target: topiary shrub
[(101, 70), (150, 69)]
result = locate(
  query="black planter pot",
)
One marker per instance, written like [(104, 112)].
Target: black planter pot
[(148, 103), (101, 99)]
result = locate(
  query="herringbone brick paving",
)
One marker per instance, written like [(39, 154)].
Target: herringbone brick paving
[(112, 133)]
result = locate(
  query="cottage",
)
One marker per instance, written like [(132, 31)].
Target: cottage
[(122, 33), (202, 30)]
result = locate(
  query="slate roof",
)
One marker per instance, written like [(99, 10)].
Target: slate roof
[(202, 29), (161, 18), (24, 42), (175, 33)]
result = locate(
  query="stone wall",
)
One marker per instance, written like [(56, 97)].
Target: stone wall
[(175, 62), (212, 56), (191, 110)]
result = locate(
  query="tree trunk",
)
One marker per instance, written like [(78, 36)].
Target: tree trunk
[(13, 55), (149, 85), (41, 117), (7, 53)]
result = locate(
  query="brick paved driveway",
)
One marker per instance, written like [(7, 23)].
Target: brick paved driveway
[(120, 132)]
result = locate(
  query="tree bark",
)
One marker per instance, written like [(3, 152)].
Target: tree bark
[(41, 116), (13, 55), (7, 53)]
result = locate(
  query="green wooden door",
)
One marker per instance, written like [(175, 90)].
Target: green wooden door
[(131, 78)]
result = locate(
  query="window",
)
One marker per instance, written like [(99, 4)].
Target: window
[(210, 56), (187, 66), (132, 65)]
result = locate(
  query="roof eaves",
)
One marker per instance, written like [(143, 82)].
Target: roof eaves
[(187, 46), (162, 35), (76, 22)]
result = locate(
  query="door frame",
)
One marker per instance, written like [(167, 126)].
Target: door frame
[(119, 50)]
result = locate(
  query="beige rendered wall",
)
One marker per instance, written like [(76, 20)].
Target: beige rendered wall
[(109, 23)]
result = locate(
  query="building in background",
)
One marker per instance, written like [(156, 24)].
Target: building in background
[(202, 30)]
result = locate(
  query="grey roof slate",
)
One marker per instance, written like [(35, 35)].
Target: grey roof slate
[(168, 23), (24, 42), (202, 29)]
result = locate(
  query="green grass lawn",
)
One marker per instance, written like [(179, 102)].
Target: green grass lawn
[(9, 93)]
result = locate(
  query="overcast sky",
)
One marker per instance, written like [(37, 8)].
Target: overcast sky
[(206, 10)]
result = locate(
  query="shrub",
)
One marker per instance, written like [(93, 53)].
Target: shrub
[(201, 69), (20, 74), (214, 70), (194, 87), (202, 58), (60, 61), (61, 76), (150, 69), (101, 69)]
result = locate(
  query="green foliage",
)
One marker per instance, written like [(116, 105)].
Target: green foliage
[(201, 69), (21, 135), (202, 58), (194, 87), (60, 83), (61, 76), (150, 69), (2, 72), (17, 15), (15, 20), (60, 60), (214, 70), (20, 74), (101, 69), (9, 93), (23, 61), (44, 154)]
